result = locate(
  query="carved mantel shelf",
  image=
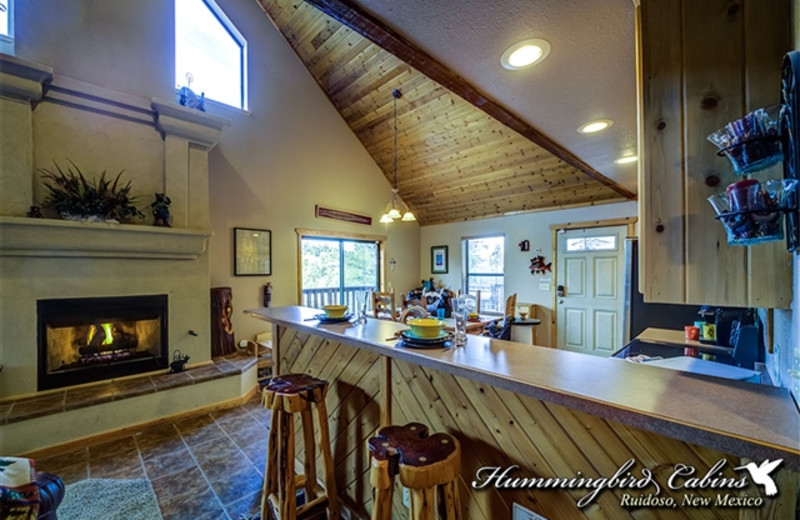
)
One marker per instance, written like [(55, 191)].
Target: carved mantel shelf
[(32, 237)]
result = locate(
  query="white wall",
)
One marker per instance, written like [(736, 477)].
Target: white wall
[(534, 227), (273, 166)]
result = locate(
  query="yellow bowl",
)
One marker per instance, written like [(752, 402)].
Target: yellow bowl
[(426, 327), (472, 315), (334, 311)]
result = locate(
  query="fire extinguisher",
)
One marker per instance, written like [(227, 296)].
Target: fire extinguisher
[(267, 294)]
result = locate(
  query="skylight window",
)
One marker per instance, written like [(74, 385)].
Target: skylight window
[(7, 26), (210, 53)]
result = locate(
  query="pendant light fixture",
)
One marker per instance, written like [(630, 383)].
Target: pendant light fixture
[(396, 209)]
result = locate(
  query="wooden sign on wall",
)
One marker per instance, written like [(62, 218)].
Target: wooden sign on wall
[(337, 214)]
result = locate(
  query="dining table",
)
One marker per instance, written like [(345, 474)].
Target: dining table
[(474, 326)]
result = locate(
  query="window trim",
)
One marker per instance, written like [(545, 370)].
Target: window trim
[(302, 233)]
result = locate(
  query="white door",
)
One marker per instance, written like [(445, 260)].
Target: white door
[(590, 282)]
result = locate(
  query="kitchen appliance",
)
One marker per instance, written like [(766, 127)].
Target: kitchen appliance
[(747, 340)]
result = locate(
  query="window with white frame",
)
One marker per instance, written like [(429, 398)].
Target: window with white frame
[(7, 27), (210, 53), (483, 268), (600, 243)]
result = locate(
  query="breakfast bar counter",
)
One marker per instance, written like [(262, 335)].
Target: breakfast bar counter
[(545, 412)]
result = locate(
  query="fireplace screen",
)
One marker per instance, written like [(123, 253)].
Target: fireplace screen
[(92, 339)]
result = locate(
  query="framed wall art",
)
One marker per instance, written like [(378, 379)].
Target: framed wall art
[(252, 252), (439, 259)]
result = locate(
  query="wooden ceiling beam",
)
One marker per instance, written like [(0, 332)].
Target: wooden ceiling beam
[(372, 29)]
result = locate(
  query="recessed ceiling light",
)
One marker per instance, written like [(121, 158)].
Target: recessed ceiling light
[(595, 126), (625, 159), (525, 53)]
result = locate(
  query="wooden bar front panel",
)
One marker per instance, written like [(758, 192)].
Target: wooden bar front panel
[(496, 428)]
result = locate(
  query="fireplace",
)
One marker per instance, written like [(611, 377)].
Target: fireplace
[(82, 340)]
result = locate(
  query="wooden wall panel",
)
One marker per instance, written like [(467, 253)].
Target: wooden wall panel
[(661, 181), (497, 428), (703, 65), (714, 87), (763, 58)]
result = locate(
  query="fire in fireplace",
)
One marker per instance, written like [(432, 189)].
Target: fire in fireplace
[(91, 339)]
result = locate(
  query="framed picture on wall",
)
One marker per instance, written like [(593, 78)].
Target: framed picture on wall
[(252, 252), (439, 260)]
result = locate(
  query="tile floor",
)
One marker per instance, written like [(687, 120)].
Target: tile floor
[(205, 467)]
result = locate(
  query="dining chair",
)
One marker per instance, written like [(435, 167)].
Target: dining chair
[(383, 306), (410, 301), (511, 305), (500, 328), (415, 311), (477, 299)]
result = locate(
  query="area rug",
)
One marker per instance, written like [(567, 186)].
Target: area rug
[(109, 499)]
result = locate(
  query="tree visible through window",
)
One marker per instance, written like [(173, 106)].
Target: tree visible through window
[(338, 270), (210, 53), (483, 261)]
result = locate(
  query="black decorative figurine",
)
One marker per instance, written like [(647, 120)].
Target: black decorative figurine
[(178, 363), (160, 207), (34, 212)]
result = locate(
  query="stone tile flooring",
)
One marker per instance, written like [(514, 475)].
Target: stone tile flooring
[(209, 466)]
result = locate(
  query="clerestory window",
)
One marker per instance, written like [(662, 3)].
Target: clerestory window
[(7, 27), (210, 53)]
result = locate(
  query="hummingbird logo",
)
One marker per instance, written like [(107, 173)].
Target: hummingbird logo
[(760, 474)]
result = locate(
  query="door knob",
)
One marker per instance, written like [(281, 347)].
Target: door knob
[(560, 290)]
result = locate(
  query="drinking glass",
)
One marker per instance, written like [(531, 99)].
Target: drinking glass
[(461, 327)]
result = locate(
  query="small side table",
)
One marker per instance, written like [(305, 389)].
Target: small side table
[(522, 331)]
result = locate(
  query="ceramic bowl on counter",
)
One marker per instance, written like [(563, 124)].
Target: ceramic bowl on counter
[(426, 327), (334, 311)]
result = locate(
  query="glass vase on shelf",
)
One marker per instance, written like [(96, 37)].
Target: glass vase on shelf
[(751, 211), (752, 143)]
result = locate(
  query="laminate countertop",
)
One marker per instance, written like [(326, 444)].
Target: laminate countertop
[(740, 418)]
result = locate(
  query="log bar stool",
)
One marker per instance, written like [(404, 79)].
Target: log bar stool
[(424, 463), (287, 395)]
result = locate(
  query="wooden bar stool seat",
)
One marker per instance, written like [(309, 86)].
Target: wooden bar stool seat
[(426, 464), (287, 395)]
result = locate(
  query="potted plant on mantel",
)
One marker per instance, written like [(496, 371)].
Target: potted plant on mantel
[(75, 198)]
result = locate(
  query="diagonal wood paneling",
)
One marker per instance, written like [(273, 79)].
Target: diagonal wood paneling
[(461, 156), (498, 428)]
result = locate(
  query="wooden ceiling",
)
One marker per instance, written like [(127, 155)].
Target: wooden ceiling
[(460, 155)]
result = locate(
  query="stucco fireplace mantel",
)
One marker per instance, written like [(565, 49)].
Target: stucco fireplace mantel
[(49, 238)]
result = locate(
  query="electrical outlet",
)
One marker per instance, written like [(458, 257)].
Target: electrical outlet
[(406, 498), (521, 513)]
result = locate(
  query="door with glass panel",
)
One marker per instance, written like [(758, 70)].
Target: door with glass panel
[(590, 283), (338, 271)]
